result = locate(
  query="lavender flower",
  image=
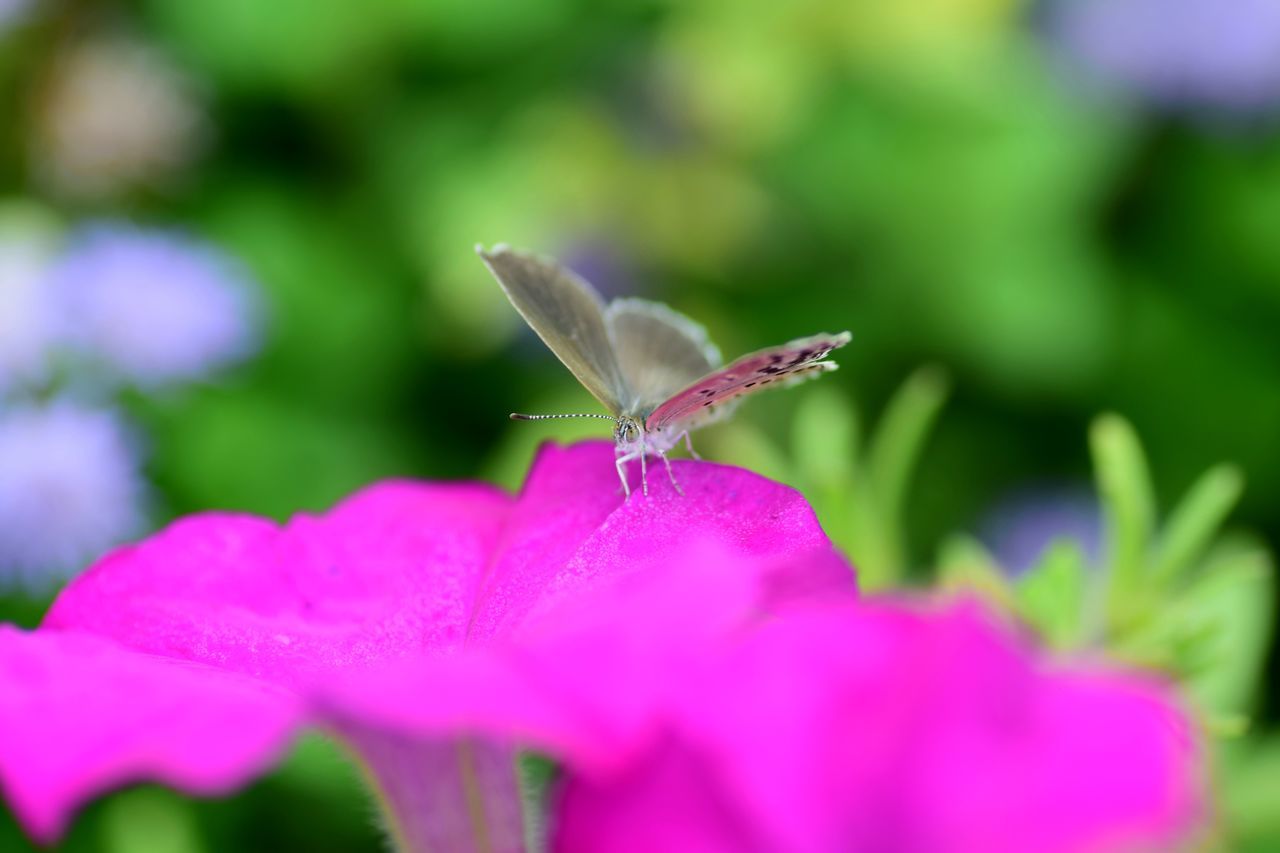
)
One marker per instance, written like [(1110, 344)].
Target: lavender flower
[(28, 323), (1020, 527), (11, 11), (603, 263), (70, 487), (154, 307), (1200, 53)]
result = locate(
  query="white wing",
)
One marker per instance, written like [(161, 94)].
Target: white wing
[(659, 351), (568, 315)]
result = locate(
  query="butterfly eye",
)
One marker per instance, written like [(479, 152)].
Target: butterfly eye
[(626, 432)]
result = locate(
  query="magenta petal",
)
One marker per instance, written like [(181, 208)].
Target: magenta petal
[(389, 572), (884, 728), (571, 528), (583, 680), (671, 802), (585, 677), (80, 715), (580, 671), (448, 610), (404, 568)]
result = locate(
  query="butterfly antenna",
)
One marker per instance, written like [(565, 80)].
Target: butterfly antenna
[(516, 416)]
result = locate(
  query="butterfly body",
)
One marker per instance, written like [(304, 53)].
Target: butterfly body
[(632, 438), (654, 369)]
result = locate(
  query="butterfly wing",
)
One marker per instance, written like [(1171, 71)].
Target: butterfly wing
[(567, 314), (659, 351), (706, 398)]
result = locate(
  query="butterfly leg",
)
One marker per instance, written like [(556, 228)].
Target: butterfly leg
[(671, 474), (644, 473), (688, 445), (621, 465)]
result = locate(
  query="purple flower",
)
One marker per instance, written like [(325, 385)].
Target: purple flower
[(11, 11), (603, 263), (1022, 526), (154, 307), (70, 487), (28, 322), (1203, 53), (438, 627)]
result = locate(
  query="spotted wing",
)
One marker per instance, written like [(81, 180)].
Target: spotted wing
[(659, 351), (770, 368), (567, 314)]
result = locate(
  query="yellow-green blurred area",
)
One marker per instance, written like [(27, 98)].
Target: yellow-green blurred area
[(957, 182)]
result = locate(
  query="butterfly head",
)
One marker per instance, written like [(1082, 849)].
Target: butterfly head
[(627, 433)]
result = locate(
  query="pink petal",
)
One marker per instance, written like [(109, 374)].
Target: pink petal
[(572, 529), (403, 569), (671, 802), (579, 672), (391, 571), (891, 728), (80, 715), (583, 680), (429, 612), (586, 676)]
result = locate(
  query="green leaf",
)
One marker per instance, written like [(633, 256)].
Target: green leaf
[(824, 438), (1226, 726), (824, 446), (1229, 608), (965, 565), (1051, 596), (1250, 789), (1124, 487), (899, 437), (751, 447), (876, 560), (150, 819), (1195, 521), (892, 454)]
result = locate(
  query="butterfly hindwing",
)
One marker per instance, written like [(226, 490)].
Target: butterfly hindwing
[(569, 317), (659, 351), (770, 368)]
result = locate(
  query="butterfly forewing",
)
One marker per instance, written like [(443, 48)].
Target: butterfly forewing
[(770, 368), (569, 317), (659, 351)]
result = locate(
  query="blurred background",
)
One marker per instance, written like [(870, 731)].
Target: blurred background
[(237, 270)]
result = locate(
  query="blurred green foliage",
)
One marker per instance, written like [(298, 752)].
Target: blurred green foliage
[(920, 172)]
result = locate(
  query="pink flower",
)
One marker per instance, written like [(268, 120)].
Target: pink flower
[(223, 619), (886, 727), (79, 715), (697, 664)]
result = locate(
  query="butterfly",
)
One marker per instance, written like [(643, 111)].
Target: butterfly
[(653, 368)]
